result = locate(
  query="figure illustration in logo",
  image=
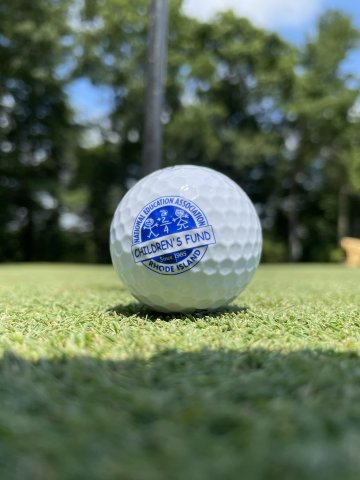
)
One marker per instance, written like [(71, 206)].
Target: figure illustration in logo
[(171, 235), (164, 221), (180, 219), (150, 225)]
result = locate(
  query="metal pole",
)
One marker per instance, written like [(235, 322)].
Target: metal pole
[(155, 85)]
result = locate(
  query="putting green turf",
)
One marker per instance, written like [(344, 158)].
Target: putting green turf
[(94, 387)]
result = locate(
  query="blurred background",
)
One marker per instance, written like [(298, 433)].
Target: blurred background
[(266, 91)]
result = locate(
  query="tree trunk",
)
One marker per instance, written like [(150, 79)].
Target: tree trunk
[(343, 223), (27, 238), (294, 241)]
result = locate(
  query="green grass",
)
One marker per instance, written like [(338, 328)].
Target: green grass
[(94, 387)]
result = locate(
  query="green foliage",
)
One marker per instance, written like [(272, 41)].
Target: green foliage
[(101, 175), (281, 120), (273, 251), (319, 135), (35, 128), (94, 386)]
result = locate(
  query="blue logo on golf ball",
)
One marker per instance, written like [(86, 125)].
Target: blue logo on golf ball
[(171, 235)]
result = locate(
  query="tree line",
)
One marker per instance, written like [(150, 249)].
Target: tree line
[(281, 120)]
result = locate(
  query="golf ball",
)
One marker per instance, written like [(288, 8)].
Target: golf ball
[(185, 238)]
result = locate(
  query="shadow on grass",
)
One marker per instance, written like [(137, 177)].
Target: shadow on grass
[(147, 314), (204, 415)]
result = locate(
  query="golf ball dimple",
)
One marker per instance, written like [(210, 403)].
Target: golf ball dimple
[(185, 238)]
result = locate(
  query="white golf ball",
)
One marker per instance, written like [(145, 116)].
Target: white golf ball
[(185, 238)]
